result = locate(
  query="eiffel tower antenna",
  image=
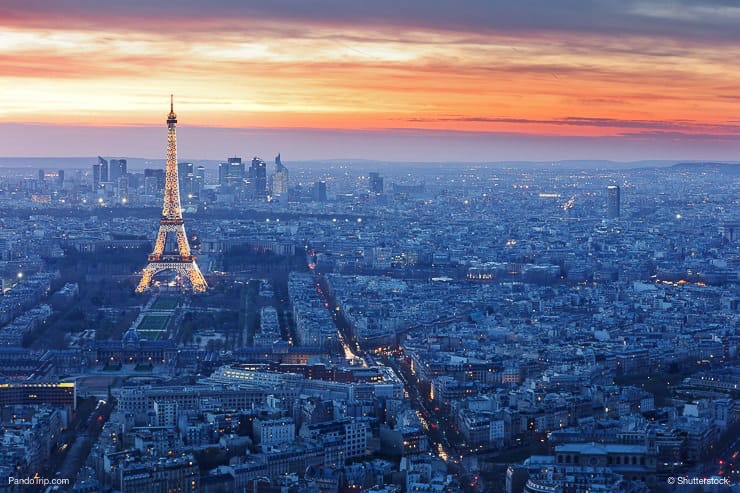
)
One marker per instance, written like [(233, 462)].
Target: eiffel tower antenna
[(171, 225)]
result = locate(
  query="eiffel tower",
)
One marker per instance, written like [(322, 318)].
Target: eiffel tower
[(172, 250)]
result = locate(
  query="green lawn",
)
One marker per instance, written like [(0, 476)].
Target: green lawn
[(152, 323)]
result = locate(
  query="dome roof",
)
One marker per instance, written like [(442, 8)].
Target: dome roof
[(131, 335)]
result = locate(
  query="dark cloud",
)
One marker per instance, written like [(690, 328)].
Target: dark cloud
[(684, 21)]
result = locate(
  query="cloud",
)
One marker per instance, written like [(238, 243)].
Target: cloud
[(664, 128), (683, 137), (73, 66), (685, 20), (651, 65)]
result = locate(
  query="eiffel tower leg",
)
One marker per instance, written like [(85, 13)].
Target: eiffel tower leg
[(182, 241), (159, 243), (146, 279), (196, 278)]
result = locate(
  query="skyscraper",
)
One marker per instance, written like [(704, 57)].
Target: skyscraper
[(258, 177), (222, 173), (103, 173), (200, 179), (612, 202), (280, 179), (376, 183), (200, 172), (97, 171), (231, 173), (117, 168), (186, 175), (158, 175), (122, 189), (318, 191), (151, 187)]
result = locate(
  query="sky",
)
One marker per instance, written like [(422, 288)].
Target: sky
[(418, 80)]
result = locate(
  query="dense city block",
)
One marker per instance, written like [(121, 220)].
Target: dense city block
[(369, 326)]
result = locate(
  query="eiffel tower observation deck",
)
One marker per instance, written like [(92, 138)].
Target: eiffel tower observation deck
[(172, 250)]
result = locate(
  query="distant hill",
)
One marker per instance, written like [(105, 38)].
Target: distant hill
[(731, 168)]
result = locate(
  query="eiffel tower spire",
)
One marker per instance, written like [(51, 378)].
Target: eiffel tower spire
[(178, 257)]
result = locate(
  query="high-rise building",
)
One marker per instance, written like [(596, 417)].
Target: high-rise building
[(612, 202), (318, 192), (376, 183), (122, 189), (150, 185), (60, 177), (258, 177), (186, 175), (158, 175), (200, 179), (116, 169), (97, 171), (236, 167), (231, 173), (171, 249), (280, 179), (103, 163), (222, 173)]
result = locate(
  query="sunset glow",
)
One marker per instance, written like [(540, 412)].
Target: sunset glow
[(241, 67)]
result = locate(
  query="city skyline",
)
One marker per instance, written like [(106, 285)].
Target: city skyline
[(487, 82)]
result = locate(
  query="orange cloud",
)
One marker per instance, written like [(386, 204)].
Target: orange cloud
[(294, 76)]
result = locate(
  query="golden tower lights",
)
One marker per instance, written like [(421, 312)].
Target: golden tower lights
[(182, 261)]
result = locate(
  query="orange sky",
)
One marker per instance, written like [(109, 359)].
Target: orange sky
[(241, 68)]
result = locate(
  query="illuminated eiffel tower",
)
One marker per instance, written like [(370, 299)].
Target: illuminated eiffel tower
[(171, 250)]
